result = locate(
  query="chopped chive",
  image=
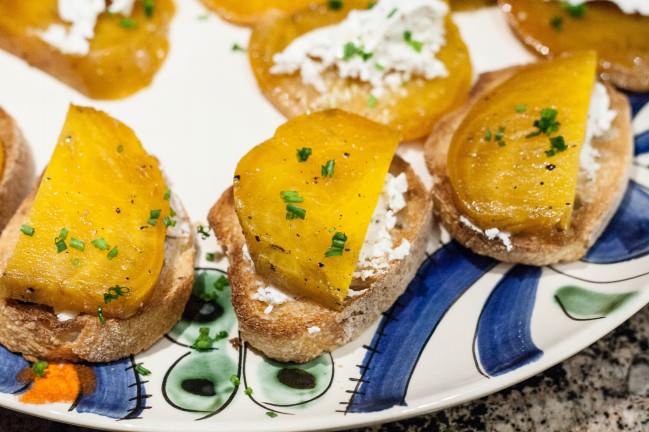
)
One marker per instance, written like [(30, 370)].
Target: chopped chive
[(521, 108), (115, 292), (291, 197), (167, 195), (575, 11), (39, 368), (335, 4), (500, 136), (113, 253), (328, 168), (487, 135), (271, 414), (379, 67), (77, 244), (169, 222), (127, 23), (415, 44), (556, 22), (237, 48), (100, 244), (372, 102), (203, 231), (60, 246), (392, 13), (350, 51), (100, 315), (27, 230), (63, 234), (303, 154), (295, 212), (558, 145), (210, 256), (141, 370), (203, 342), (337, 245), (149, 8), (547, 123)]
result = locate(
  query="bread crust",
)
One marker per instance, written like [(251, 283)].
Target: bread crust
[(17, 177), (283, 335), (36, 333), (596, 201)]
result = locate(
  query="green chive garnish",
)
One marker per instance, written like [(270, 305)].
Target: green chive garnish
[(414, 44), (115, 292), (271, 414), (113, 253), (237, 48), (335, 4), (27, 230), (141, 370), (291, 197), (328, 168), (557, 145), (100, 244), (337, 245), (167, 195), (303, 154), (169, 222), (294, 212), (77, 244), (372, 102), (149, 8), (487, 135), (100, 315), (127, 23), (392, 13), (39, 368), (556, 23), (203, 232), (546, 124), (521, 108), (210, 256)]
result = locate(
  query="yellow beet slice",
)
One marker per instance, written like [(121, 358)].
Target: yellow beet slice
[(621, 40), (504, 178), (100, 186), (251, 11), (411, 109), (290, 253), (121, 60)]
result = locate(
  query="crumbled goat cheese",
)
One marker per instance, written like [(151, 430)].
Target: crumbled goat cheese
[(384, 46), (82, 17), (491, 234), (600, 120), (272, 296), (378, 250), (313, 330), (64, 316), (627, 6)]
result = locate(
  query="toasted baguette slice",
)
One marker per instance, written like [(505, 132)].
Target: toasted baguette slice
[(283, 334), (595, 204), (17, 177), (35, 332)]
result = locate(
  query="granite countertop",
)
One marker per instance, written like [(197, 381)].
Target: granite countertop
[(603, 388)]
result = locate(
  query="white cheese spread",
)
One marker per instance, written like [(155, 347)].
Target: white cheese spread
[(385, 46), (600, 120), (313, 330), (378, 250), (627, 6), (272, 297), (491, 234), (74, 39)]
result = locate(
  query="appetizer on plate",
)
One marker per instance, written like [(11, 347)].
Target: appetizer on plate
[(250, 12), (97, 264), (617, 29), (533, 167), (324, 228), (105, 50), (402, 64), (16, 168)]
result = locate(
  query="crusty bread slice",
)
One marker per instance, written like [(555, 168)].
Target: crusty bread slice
[(283, 334), (596, 201), (36, 333), (17, 177)]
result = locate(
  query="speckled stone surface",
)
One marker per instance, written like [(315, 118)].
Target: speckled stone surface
[(604, 388)]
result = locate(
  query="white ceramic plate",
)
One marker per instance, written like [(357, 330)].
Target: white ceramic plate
[(467, 326)]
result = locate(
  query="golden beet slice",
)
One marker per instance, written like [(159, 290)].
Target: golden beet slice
[(124, 55), (248, 12), (95, 227), (306, 197), (508, 173), (411, 109), (621, 40)]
